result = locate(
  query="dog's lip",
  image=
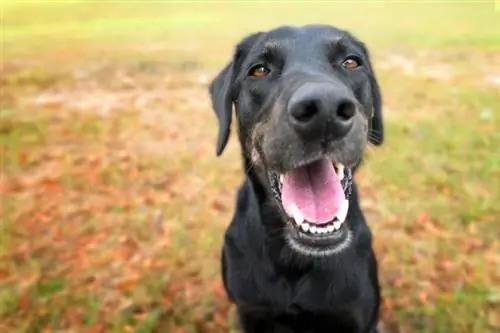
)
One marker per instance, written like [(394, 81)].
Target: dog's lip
[(306, 161)]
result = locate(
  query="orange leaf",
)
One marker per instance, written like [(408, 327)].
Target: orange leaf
[(218, 206), (423, 217), (423, 297), (22, 157), (219, 289), (220, 319), (24, 302), (3, 274), (181, 330), (127, 284)]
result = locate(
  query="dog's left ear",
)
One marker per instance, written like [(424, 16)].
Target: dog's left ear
[(377, 124), (377, 128), (224, 90)]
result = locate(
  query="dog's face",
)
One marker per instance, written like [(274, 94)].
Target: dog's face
[(307, 103)]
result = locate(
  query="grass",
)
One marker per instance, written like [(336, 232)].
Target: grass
[(114, 206)]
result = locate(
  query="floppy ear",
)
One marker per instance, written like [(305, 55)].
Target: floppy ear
[(377, 125), (223, 91), (222, 103)]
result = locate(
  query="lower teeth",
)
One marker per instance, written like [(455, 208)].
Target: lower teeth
[(330, 227)]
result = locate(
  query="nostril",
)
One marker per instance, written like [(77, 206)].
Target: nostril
[(305, 111), (346, 110)]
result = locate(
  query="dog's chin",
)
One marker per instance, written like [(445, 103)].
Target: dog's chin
[(322, 231)]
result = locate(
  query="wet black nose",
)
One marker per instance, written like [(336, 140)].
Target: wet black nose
[(314, 105)]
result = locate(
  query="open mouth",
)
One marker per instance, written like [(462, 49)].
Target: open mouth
[(315, 198)]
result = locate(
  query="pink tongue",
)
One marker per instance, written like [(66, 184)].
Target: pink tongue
[(315, 190)]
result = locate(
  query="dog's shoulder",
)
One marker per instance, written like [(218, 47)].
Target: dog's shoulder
[(247, 268), (245, 232)]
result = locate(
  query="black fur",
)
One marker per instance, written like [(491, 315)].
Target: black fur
[(275, 287)]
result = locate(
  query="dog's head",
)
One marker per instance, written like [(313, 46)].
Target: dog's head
[(307, 103)]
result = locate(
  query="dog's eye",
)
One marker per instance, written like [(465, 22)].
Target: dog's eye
[(351, 63), (259, 71)]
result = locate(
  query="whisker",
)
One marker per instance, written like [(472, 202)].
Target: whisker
[(249, 167), (275, 233), (375, 131), (373, 137)]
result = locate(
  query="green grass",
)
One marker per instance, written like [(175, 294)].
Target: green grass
[(114, 205), (70, 27)]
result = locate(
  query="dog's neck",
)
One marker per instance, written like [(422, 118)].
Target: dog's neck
[(255, 180)]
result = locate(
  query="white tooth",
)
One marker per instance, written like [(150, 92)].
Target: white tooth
[(282, 177), (297, 215), (305, 226), (330, 228), (313, 229), (298, 219), (323, 230), (341, 215), (340, 171), (337, 225)]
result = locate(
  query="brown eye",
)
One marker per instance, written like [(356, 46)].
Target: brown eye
[(350, 63), (259, 71)]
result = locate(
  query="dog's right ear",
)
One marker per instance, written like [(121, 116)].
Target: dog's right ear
[(224, 90)]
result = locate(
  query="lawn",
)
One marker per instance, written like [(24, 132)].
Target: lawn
[(114, 204)]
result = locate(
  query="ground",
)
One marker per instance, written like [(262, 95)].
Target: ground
[(114, 204)]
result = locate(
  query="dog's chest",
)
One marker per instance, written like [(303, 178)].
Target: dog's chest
[(262, 286)]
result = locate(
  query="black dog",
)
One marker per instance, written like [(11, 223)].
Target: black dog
[(298, 254)]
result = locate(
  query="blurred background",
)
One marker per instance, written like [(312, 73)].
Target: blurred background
[(114, 204)]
